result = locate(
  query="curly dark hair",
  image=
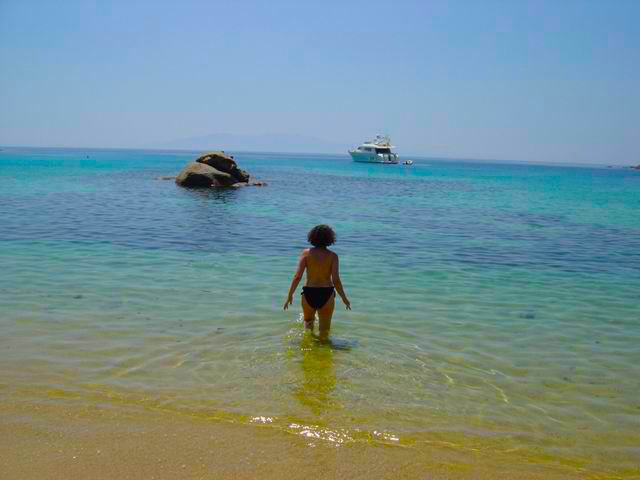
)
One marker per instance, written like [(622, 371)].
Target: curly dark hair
[(321, 236)]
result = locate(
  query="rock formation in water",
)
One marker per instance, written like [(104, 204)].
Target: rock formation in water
[(214, 169)]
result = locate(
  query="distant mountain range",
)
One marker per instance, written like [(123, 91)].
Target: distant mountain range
[(259, 143)]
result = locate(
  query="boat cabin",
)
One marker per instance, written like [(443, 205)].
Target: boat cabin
[(374, 149)]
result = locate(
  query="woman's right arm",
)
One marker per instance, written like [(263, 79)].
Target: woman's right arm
[(302, 265), (335, 277)]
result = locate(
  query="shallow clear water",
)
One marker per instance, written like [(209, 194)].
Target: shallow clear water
[(495, 306)]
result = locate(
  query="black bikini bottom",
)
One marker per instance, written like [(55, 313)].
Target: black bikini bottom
[(316, 297)]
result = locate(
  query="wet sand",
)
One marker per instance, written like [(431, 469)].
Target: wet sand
[(54, 442)]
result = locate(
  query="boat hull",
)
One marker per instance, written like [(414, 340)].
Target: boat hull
[(365, 157)]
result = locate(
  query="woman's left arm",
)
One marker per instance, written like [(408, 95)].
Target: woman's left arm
[(302, 265)]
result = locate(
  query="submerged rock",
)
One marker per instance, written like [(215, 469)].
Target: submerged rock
[(249, 184)]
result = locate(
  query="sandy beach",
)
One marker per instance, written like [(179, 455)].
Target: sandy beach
[(51, 442)]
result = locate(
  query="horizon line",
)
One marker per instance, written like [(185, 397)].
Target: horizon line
[(417, 156)]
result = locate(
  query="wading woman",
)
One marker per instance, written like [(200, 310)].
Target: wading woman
[(323, 280)]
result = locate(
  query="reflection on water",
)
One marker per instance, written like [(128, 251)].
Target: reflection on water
[(318, 375), (223, 195)]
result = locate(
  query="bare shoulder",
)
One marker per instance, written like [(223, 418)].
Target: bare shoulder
[(305, 252), (334, 255)]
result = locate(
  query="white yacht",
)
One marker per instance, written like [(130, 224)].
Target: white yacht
[(375, 151)]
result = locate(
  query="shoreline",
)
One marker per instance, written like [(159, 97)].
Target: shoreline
[(59, 442)]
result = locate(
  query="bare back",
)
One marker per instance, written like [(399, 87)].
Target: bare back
[(320, 264), (323, 280)]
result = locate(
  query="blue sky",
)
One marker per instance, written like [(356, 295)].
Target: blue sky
[(554, 81)]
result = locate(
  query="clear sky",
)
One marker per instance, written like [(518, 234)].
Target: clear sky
[(548, 81)]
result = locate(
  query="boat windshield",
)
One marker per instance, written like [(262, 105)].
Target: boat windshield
[(383, 150)]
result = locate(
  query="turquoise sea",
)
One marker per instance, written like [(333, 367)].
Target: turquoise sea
[(495, 305)]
